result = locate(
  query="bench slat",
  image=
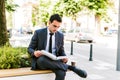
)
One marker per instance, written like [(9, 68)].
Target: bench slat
[(21, 72)]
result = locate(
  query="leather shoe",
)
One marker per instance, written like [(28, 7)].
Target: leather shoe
[(81, 73)]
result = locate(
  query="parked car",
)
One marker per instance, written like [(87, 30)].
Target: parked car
[(111, 32), (84, 37), (79, 36)]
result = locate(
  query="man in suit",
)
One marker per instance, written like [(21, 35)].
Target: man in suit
[(40, 41)]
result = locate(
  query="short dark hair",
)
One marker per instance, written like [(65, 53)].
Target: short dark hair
[(55, 17)]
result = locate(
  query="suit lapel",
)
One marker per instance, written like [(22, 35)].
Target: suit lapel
[(45, 38), (56, 41)]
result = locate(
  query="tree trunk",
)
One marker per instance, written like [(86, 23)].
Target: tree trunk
[(97, 25), (3, 29)]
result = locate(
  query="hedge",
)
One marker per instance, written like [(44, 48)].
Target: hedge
[(14, 57)]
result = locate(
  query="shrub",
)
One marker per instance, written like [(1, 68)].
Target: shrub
[(25, 60), (11, 57)]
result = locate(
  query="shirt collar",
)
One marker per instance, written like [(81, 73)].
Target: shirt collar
[(48, 31)]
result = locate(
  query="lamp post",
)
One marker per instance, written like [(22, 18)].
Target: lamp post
[(118, 46)]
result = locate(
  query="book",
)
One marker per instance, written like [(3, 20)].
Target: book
[(53, 57)]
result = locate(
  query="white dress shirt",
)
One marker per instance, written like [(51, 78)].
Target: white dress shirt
[(53, 42)]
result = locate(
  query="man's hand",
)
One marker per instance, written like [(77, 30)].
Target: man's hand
[(38, 53), (65, 60)]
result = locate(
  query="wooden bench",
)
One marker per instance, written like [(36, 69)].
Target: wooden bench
[(21, 72), (24, 71), (27, 74)]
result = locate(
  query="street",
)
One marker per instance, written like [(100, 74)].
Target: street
[(101, 52), (103, 49)]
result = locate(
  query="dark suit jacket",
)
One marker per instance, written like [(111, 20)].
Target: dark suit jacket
[(39, 41)]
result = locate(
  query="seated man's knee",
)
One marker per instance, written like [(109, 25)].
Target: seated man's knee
[(41, 59)]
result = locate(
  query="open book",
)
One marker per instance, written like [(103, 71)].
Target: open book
[(53, 57)]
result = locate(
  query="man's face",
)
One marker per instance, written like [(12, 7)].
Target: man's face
[(54, 26)]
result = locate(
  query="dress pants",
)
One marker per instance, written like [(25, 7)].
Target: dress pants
[(57, 66)]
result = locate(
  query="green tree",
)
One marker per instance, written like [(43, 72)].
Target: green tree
[(35, 15), (69, 8), (10, 7), (58, 8), (72, 8), (45, 10), (3, 29), (41, 12), (98, 8)]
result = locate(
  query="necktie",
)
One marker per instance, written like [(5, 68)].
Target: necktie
[(50, 43)]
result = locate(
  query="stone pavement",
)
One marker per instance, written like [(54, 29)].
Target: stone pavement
[(96, 69)]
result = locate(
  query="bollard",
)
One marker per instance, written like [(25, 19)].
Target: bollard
[(90, 58), (71, 48)]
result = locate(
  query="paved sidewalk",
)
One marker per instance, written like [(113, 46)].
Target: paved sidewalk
[(98, 70)]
